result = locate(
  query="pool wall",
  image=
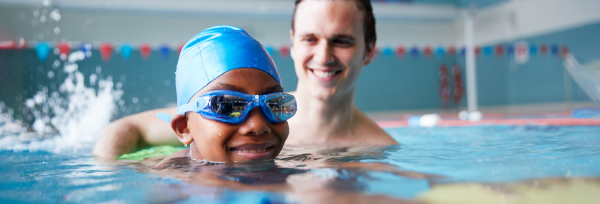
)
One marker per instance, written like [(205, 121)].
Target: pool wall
[(388, 83)]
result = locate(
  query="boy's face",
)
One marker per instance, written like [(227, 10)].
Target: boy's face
[(253, 139)]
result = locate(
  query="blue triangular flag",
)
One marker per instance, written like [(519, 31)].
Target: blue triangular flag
[(86, 48), (42, 50), (126, 51), (439, 52), (487, 50), (414, 51), (388, 51), (164, 51), (554, 49), (510, 50), (532, 49)]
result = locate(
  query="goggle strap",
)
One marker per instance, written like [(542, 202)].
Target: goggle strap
[(164, 117)]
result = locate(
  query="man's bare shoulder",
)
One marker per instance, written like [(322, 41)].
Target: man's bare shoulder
[(368, 130)]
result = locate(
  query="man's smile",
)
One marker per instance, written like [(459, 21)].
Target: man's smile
[(326, 75)]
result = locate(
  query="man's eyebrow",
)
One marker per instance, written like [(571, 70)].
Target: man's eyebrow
[(306, 34), (343, 36), (274, 89), (231, 87)]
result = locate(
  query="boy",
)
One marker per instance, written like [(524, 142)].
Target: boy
[(231, 105)]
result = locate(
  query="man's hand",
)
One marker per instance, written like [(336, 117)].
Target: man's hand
[(135, 132)]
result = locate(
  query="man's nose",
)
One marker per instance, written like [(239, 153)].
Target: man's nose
[(323, 53), (255, 124)]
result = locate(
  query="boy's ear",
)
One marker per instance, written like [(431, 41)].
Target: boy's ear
[(179, 126)]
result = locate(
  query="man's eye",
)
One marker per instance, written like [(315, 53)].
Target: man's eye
[(310, 40), (343, 43)]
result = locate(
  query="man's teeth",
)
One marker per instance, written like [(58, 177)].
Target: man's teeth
[(250, 150), (323, 74)]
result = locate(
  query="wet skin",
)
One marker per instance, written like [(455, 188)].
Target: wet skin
[(255, 139)]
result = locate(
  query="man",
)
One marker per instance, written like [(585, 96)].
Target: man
[(331, 42)]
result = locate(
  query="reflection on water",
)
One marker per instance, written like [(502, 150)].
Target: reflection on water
[(496, 164)]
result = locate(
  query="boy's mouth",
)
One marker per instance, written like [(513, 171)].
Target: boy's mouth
[(253, 151)]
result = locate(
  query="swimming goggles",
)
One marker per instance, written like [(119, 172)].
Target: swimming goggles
[(233, 107)]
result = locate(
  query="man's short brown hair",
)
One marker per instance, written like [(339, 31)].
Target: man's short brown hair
[(368, 21)]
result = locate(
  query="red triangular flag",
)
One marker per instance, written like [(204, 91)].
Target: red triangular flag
[(427, 51), (543, 49), (477, 51), (400, 51), (145, 50), (284, 51), (451, 50), (564, 50), (179, 49), (106, 50), (499, 50), (64, 50)]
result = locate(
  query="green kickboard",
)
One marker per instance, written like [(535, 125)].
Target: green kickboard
[(158, 151)]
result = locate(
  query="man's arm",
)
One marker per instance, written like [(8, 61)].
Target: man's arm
[(135, 131)]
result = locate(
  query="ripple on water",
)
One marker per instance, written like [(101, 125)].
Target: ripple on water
[(429, 162)]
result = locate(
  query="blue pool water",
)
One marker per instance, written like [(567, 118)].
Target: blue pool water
[(425, 158)]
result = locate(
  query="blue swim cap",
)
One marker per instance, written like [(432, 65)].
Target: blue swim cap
[(213, 52)]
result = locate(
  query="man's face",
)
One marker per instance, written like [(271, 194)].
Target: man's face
[(328, 47), (252, 140)]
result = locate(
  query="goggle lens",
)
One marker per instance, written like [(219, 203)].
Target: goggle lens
[(228, 105), (281, 107)]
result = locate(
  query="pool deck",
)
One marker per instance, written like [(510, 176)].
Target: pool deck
[(530, 114)]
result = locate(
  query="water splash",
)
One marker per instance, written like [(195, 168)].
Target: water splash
[(66, 120)]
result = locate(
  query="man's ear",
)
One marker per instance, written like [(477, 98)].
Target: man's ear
[(292, 43), (369, 54), (180, 127)]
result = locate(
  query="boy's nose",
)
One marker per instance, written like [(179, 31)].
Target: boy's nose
[(255, 124)]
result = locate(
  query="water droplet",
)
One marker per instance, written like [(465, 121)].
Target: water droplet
[(46, 3), (55, 15), (93, 78), (56, 64), (50, 74), (255, 59), (146, 100), (36, 13), (56, 30), (43, 19), (134, 100)]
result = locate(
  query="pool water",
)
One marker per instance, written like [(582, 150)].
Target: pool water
[(483, 164)]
